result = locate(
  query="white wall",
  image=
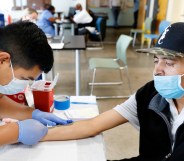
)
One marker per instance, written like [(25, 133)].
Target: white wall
[(6, 6), (63, 5), (175, 12), (60, 5)]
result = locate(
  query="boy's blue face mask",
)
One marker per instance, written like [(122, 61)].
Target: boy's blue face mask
[(169, 86)]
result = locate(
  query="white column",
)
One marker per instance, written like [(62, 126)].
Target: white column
[(151, 8)]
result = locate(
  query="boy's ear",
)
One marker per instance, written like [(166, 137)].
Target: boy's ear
[(4, 56)]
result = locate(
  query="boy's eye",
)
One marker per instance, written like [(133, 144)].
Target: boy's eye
[(169, 63)]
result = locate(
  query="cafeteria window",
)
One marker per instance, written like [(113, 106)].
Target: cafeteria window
[(22, 4)]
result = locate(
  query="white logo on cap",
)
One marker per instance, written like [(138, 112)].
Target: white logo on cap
[(160, 41)]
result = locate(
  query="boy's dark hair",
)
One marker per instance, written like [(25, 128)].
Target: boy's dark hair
[(27, 46)]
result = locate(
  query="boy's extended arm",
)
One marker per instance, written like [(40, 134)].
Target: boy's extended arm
[(9, 133), (86, 128)]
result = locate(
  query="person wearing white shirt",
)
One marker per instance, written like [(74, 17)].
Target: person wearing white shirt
[(82, 18), (46, 20), (30, 15)]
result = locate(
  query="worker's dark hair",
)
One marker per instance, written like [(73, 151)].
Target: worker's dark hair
[(45, 6), (49, 7), (27, 46)]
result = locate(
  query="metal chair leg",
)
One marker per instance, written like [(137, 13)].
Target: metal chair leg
[(134, 39), (93, 80), (111, 83), (101, 41), (142, 42), (130, 33), (149, 43), (128, 78), (100, 45)]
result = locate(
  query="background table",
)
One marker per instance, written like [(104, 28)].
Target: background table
[(75, 43), (59, 26), (91, 149)]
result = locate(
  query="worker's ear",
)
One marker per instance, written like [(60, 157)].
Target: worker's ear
[(4, 56)]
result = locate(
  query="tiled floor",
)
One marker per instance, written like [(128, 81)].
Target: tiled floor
[(121, 141)]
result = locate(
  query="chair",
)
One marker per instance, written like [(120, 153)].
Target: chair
[(150, 37), (98, 35), (71, 12), (145, 29), (2, 20), (110, 63)]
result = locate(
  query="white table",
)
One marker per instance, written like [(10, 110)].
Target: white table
[(90, 149)]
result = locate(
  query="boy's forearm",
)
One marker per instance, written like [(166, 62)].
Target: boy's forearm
[(77, 130), (86, 128)]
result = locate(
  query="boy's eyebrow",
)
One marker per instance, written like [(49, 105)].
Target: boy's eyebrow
[(167, 57)]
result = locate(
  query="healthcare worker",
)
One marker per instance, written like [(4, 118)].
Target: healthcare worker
[(24, 55), (46, 20), (30, 14)]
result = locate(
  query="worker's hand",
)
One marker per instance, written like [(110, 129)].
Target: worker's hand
[(49, 118), (31, 131)]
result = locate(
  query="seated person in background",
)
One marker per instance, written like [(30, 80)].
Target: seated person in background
[(30, 14), (46, 20), (82, 18)]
